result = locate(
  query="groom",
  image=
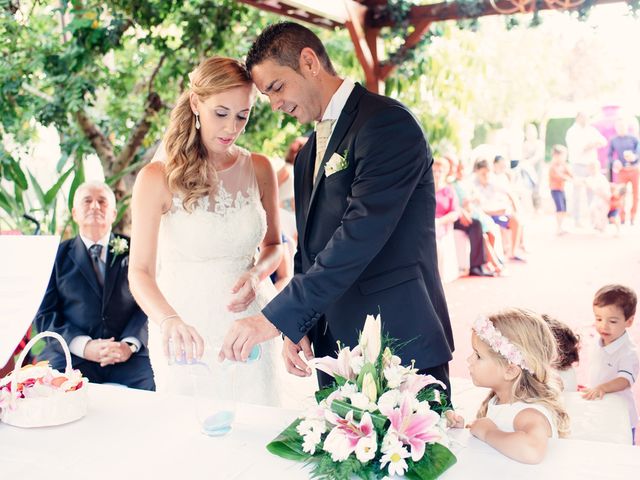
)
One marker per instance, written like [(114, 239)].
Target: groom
[(365, 209)]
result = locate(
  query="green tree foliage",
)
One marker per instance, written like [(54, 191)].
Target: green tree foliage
[(106, 75)]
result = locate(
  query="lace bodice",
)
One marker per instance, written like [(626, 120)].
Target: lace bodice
[(230, 223)]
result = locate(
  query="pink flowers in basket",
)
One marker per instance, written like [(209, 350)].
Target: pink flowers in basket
[(39, 380), (380, 418)]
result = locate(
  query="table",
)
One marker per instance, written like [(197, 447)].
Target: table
[(135, 434), (605, 420)]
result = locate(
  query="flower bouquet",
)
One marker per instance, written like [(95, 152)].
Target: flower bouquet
[(39, 396), (379, 419)]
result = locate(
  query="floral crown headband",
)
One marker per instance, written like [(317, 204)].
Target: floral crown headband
[(485, 329)]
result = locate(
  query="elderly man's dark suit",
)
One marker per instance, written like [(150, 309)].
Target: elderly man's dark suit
[(367, 239), (75, 304)]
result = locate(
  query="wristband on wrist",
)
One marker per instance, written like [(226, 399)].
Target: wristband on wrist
[(164, 319)]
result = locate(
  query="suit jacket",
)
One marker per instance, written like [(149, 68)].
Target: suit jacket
[(75, 304), (367, 238)]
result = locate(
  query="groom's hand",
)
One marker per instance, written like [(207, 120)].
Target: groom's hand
[(243, 335), (291, 354)]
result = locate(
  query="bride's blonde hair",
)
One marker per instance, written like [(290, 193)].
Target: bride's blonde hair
[(533, 338), (186, 166)]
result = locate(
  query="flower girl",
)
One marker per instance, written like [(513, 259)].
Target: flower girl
[(513, 351)]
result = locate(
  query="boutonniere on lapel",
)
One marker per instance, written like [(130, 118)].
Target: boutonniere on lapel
[(336, 163), (118, 246)]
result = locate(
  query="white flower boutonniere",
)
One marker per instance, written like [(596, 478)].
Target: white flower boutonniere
[(336, 163), (118, 246)]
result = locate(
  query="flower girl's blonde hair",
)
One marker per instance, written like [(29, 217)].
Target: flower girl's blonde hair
[(186, 166), (530, 334)]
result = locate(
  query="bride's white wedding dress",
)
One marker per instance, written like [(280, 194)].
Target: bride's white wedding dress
[(201, 255)]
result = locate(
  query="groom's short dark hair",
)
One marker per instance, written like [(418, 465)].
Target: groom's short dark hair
[(282, 42)]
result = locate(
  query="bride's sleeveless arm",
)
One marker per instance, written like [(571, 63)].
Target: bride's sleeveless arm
[(271, 246), (151, 199)]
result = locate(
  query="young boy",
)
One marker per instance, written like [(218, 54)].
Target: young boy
[(614, 360), (558, 174)]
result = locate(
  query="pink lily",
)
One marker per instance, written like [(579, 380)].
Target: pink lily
[(338, 366), (347, 434), (415, 382), (412, 428)]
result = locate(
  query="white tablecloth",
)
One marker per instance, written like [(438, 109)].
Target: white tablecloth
[(139, 435), (605, 420)]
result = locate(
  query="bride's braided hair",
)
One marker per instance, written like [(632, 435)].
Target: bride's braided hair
[(186, 166), (533, 338)]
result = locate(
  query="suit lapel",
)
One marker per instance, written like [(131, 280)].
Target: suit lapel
[(342, 127), (80, 257), (111, 272)]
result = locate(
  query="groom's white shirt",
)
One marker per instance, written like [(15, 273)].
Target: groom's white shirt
[(337, 102)]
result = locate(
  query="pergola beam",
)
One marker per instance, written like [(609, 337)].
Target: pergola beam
[(365, 18), (438, 12), (365, 42)]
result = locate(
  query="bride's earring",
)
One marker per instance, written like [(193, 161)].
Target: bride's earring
[(197, 121)]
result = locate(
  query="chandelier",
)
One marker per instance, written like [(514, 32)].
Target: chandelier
[(509, 7)]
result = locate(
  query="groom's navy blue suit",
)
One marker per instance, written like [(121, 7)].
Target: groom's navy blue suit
[(75, 304), (367, 238)]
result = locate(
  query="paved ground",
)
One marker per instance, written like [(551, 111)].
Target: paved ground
[(560, 278)]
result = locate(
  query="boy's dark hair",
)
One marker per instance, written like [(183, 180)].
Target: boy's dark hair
[(480, 164), (282, 42), (618, 295), (567, 341), (498, 159)]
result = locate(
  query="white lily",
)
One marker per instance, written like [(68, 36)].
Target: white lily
[(369, 387), (370, 338)]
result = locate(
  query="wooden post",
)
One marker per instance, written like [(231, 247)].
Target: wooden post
[(365, 42)]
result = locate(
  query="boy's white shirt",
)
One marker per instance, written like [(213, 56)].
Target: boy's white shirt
[(619, 359)]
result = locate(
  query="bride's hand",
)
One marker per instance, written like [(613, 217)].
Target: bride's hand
[(244, 292), (181, 340)]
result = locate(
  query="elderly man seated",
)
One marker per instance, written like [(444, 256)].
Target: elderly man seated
[(88, 300)]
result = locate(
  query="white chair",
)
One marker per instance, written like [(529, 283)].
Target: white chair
[(447, 258), (605, 420), (463, 251)]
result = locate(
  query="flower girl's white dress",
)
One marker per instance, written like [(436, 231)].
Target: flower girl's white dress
[(503, 415), (200, 257)]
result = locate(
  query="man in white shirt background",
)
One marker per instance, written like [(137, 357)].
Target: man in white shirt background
[(583, 141)]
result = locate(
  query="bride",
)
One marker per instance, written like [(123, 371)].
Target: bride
[(199, 216)]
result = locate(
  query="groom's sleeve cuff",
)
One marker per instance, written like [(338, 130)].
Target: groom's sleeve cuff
[(294, 326)]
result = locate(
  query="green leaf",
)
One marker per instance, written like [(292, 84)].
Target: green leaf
[(340, 381), (37, 188), (368, 368), (113, 179), (341, 408), (437, 458), (6, 202), (18, 195), (17, 175), (51, 194), (289, 444), (323, 393), (78, 179), (124, 205)]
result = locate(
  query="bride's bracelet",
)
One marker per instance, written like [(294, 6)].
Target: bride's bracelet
[(175, 315)]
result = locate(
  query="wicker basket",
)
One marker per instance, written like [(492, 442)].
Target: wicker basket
[(57, 409)]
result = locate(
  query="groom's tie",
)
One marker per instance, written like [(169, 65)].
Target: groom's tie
[(323, 132)]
